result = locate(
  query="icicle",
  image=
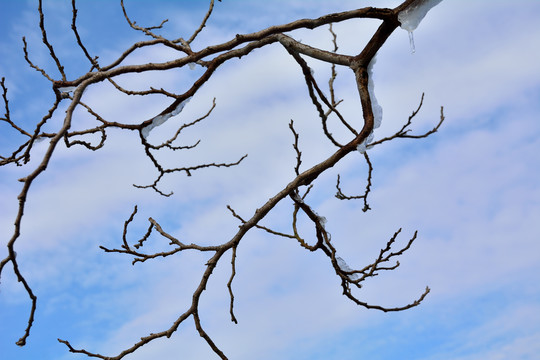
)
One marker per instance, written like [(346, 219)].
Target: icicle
[(192, 66), (411, 17), (411, 42)]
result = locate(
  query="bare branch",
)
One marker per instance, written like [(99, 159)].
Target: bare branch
[(144, 92), (326, 56), (37, 68), (404, 131), (7, 117), (311, 84), (211, 58), (46, 41), (203, 22), (258, 226), (229, 284), (187, 169), (334, 73), (145, 30), (356, 277), (93, 60), (296, 149), (33, 298), (342, 196), (205, 336), (37, 130)]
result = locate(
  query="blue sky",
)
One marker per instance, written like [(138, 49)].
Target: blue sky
[(471, 190)]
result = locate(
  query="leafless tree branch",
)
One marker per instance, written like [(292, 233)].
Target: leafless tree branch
[(93, 60), (340, 195), (404, 131), (46, 41), (7, 117), (203, 23), (145, 30), (210, 58)]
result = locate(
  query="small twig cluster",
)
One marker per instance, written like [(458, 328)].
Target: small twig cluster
[(209, 59)]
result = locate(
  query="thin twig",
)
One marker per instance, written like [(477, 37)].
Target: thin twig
[(46, 41), (340, 195)]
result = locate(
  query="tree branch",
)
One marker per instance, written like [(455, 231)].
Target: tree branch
[(211, 58)]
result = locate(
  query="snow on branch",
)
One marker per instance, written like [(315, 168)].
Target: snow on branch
[(161, 119), (411, 17)]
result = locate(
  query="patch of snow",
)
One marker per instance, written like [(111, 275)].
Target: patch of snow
[(67, 89), (160, 119), (411, 17), (343, 266), (297, 197), (364, 144), (375, 107), (322, 220)]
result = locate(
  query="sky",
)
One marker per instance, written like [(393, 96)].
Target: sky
[(471, 190)]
